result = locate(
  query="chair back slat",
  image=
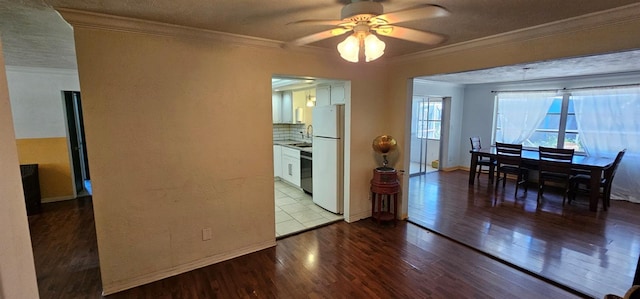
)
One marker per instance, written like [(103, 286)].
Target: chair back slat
[(610, 172), (510, 154), (556, 160), (475, 143)]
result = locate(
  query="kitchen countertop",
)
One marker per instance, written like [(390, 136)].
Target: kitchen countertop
[(289, 143)]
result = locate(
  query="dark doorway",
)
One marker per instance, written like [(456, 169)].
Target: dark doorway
[(75, 126)]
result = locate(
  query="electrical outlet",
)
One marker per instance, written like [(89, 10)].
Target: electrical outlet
[(206, 234)]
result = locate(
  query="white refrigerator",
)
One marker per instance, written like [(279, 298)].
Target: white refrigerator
[(327, 170)]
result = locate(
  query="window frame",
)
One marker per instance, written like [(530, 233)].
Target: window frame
[(562, 127), (424, 120)]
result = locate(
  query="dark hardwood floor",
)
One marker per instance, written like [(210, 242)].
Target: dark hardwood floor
[(594, 253), (65, 252), (366, 260)]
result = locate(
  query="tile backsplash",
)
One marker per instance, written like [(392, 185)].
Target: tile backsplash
[(290, 132)]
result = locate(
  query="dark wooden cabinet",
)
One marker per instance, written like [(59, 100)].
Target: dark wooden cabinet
[(31, 187), (384, 194)]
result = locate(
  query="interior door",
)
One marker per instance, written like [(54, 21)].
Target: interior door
[(418, 137), (75, 127), (425, 134), (434, 133)]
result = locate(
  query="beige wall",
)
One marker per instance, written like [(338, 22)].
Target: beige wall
[(179, 139), (17, 272), (177, 142)]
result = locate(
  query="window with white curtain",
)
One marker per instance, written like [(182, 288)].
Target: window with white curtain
[(523, 118), (558, 127), (593, 121), (608, 122)]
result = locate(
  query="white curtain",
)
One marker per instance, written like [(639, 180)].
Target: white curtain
[(608, 121), (520, 114)]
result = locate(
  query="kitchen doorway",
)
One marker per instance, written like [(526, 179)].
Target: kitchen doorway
[(426, 129), (301, 205)]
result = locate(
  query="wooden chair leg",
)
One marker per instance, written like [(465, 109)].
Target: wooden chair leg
[(540, 189), (518, 178)]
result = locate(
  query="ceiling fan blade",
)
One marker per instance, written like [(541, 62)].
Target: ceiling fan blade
[(318, 22), (318, 36), (409, 34), (420, 12)]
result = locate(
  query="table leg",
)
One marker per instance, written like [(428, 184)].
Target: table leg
[(379, 205), (373, 206), (472, 169), (594, 191), (491, 171), (395, 208)]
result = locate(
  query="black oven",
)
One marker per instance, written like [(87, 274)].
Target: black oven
[(306, 181)]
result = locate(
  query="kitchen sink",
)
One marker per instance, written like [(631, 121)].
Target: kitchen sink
[(303, 144)]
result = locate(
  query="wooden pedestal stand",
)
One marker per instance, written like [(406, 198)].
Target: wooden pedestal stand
[(384, 187)]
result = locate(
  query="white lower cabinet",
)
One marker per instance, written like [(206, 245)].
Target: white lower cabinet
[(277, 161), (291, 166)]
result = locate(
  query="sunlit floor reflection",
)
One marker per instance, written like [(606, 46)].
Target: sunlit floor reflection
[(595, 253)]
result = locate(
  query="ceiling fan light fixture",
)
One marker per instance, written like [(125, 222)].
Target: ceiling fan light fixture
[(349, 48), (367, 19), (373, 47)]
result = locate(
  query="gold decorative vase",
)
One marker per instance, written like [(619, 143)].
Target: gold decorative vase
[(383, 145)]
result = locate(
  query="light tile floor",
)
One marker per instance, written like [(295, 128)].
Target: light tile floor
[(296, 212)]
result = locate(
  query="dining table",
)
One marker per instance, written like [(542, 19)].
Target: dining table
[(593, 164)]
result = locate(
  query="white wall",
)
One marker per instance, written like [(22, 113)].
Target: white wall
[(37, 102), (17, 271)]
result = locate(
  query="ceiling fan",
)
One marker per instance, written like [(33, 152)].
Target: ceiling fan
[(364, 18)]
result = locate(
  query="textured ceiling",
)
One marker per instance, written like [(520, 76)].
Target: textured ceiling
[(580, 66), (34, 35)]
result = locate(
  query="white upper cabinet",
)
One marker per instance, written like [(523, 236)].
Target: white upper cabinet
[(323, 95), (282, 107), (333, 94), (276, 107), (337, 94), (287, 107)]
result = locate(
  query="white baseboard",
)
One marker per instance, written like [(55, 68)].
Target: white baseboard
[(119, 286), (55, 199), (358, 216)]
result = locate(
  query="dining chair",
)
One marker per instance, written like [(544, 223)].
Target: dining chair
[(509, 161), (580, 182), (482, 162), (554, 166)]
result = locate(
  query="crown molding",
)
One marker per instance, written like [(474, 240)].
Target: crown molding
[(618, 15), (41, 70), (92, 20), (422, 80)]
